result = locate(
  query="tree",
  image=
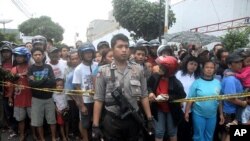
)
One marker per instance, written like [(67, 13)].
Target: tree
[(11, 37), (42, 26), (236, 39), (141, 17)]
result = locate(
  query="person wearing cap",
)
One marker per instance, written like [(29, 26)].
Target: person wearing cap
[(56, 63), (6, 62), (102, 45), (153, 45), (83, 79), (231, 85)]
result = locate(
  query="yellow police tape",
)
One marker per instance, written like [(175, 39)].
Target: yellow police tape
[(217, 97), (65, 91), (91, 93)]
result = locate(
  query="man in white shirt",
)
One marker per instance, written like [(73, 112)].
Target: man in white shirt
[(83, 80)]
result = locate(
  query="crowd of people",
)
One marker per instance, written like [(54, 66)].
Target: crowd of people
[(93, 93)]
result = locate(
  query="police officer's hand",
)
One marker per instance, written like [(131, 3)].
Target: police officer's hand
[(151, 97), (96, 133), (150, 126)]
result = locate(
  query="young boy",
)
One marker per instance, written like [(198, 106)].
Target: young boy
[(22, 95), (41, 76), (61, 108), (83, 80), (139, 54)]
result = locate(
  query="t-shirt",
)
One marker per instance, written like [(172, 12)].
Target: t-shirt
[(186, 80), (43, 78), (162, 88), (244, 76), (60, 100), (230, 85), (59, 68), (202, 87), (22, 95), (245, 117), (83, 75), (68, 77), (6, 66)]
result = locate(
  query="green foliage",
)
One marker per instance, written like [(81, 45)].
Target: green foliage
[(141, 17), (42, 26), (12, 37), (236, 39)]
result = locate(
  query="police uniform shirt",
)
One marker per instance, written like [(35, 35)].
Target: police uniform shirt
[(132, 81)]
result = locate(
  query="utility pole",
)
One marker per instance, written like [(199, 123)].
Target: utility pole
[(166, 16), (159, 20), (4, 21)]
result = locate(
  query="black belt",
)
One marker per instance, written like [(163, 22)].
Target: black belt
[(111, 103), (113, 115)]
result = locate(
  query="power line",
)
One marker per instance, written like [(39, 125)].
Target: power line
[(20, 3), (215, 10), (21, 8)]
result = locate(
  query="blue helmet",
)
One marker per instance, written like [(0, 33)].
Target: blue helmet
[(87, 46), (23, 51)]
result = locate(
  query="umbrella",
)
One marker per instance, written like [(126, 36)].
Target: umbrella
[(187, 37)]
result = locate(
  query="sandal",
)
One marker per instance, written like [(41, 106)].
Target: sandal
[(232, 123), (12, 135)]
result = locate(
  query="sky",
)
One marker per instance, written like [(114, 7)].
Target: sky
[(73, 15)]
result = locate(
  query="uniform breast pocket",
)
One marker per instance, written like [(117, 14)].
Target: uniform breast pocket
[(135, 87)]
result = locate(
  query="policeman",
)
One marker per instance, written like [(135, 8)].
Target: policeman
[(130, 78)]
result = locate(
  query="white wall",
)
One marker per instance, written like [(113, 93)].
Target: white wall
[(195, 13)]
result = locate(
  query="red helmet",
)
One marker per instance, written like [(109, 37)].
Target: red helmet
[(169, 62)]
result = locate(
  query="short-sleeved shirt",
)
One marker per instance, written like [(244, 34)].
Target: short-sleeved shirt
[(186, 80), (22, 95), (61, 100), (68, 77), (59, 68), (132, 81), (245, 117), (230, 85), (83, 75), (202, 87)]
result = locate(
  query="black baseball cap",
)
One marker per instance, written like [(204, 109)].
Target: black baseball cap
[(53, 49), (234, 57)]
